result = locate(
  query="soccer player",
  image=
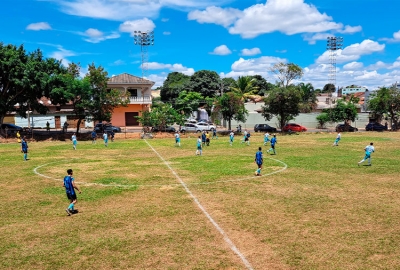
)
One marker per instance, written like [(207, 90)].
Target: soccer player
[(199, 150), (112, 134), (273, 142), (70, 187), (105, 138), (248, 138), (259, 160), (74, 141), (215, 133), (24, 148), (203, 138), (94, 136), (231, 136), (336, 142), (177, 139), (208, 138), (244, 136), (369, 149), (266, 138)]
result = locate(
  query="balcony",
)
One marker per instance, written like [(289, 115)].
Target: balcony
[(140, 100)]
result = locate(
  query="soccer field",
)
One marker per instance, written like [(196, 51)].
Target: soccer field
[(147, 204)]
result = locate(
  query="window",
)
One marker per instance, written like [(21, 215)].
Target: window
[(132, 92)]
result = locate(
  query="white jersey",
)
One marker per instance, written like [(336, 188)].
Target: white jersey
[(266, 136), (73, 138), (177, 135), (105, 137), (338, 136), (369, 149), (231, 134)]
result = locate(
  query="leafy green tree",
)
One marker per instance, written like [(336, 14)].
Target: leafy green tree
[(386, 102), (329, 88), (322, 119), (187, 102), (343, 111), (308, 97), (284, 103), (230, 106), (25, 78), (160, 117), (286, 73), (175, 83), (261, 84), (244, 87), (226, 84), (205, 82)]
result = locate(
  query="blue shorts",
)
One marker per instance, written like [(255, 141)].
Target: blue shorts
[(75, 142), (177, 140), (106, 140), (199, 147), (367, 156), (71, 196)]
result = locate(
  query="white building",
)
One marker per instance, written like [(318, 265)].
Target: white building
[(352, 89)]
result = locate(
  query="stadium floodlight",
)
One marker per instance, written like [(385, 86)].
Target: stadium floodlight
[(333, 45), (144, 40)]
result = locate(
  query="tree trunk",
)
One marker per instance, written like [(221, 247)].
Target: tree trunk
[(78, 125)]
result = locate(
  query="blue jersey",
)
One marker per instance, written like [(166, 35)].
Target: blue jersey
[(273, 141), (69, 188), (259, 157), (24, 145)]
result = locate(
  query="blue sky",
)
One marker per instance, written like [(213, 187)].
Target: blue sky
[(232, 37)]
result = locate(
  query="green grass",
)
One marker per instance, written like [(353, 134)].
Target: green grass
[(322, 212)]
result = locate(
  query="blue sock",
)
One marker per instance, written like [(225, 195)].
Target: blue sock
[(25, 156), (71, 206)]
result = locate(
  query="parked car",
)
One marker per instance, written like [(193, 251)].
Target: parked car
[(264, 128), (375, 127), (11, 128), (190, 127), (163, 129), (100, 128), (205, 126), (294, 128), (344, 127)]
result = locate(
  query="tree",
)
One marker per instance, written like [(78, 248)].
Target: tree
[(386, 102), (243, 87), (308, 97), (187, 102), (159, 117), (286, 73), (175, 83), (230, 106), (261, 84), (205, 82), (343, 111), (284, 103), (226, 84), (322, 119), (329, 88), (25, 78)]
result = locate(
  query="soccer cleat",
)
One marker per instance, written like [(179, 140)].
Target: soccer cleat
[(68, 212)]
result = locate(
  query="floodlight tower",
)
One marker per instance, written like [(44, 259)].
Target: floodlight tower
[(333, 44), (144, 40)]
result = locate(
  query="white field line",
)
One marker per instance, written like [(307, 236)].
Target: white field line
[(35, 170), (221, 231)]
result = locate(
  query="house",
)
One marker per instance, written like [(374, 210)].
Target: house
[(352, 89), (140, 99)]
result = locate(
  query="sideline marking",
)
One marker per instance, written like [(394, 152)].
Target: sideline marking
[(35, 170), (221, 231)]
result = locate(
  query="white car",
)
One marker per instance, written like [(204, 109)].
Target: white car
[(205, 126)]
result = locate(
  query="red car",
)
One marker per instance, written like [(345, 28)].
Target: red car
[(294, 128)]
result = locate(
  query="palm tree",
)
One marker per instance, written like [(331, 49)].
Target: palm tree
[(244, 87), (309, 99)]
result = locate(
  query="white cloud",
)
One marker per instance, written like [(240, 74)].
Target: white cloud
[(221, 50), (350, 29), (62, 55), (260, 64), (164, 19), (312, 39), (96, 36), (250, 52), (171, 67), (353, 52), (166, 33), (353, 66), (118, 62), (286, 16), (216, 15), (120, 10), (396, 37), (137, 25), (38, 26)]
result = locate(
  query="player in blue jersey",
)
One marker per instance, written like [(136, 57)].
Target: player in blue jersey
[(177, 139), (94, 136), (199, 150), (24, 148), (266, 138), (259, 161), (105, 138), (74, 141), (70, 187), (369, 149), (273, 142)]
